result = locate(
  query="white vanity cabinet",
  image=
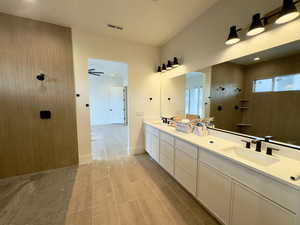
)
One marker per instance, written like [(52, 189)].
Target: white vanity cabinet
[(155, 147), (250, 208), (148, 142), (214, 191), (152, 142), (166, 152), (255, 199), (234, 193), (186, 156)]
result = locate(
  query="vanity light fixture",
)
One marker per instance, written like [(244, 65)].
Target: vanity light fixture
[(169, 65), (256, 26), (233, 36), (164, 68), (175, 62), (159, 69), (288, 12)]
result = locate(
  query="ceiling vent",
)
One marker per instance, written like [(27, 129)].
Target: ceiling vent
[(115, 27)]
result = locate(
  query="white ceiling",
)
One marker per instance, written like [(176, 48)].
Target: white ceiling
[(145, 21), (111, 69)]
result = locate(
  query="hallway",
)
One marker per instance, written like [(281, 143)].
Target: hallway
[(123, 191), (109, 141)]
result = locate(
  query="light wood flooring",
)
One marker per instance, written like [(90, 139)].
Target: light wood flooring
[(109, 141), (117, 190)]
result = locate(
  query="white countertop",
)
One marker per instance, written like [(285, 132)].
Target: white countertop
[(281, 170)]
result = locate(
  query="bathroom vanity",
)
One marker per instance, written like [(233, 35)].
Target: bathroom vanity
[(238, 186)]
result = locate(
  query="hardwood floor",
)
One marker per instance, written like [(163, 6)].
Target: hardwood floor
[(117, 190)]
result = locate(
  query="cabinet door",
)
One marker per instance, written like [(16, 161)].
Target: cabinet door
[(148, 142), (166, 156), (250, 208), (155, 148), (214, 191), (186, 170)]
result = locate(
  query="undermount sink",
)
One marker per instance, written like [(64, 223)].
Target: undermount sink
[(255, 157)]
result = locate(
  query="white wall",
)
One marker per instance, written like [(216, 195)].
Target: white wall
[(100, 98), (173, 88), (143, 83), (202, 43)]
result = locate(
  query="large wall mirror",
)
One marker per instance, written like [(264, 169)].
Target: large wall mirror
[(186, 95), (257, 95)]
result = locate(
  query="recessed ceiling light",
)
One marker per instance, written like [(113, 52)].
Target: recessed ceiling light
[(256, 59)]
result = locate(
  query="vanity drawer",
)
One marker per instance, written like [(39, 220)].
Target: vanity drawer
[(185, 179), (167, 138), (186, 162), (280, 193), (167, 164), (188, 148), (167, 150)]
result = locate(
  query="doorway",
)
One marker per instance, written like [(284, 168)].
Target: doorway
[(108, 81)]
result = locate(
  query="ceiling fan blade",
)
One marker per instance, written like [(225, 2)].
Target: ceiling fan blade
[(95, 74)]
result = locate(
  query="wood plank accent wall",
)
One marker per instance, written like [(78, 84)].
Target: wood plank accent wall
[(230, 76), (27, 143), (273, 113), (269, 113)]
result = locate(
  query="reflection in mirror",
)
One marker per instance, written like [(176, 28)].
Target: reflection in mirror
[(186, 96), (259, 94)]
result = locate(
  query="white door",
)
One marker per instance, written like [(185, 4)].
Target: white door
[(116, 105)]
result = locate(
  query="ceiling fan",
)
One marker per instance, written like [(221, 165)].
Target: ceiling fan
[(95, 73)]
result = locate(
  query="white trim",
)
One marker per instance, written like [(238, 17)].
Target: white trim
[(85, 159), (136, 151)]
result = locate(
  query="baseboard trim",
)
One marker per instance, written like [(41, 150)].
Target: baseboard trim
[(85, 159), (136, 151)]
